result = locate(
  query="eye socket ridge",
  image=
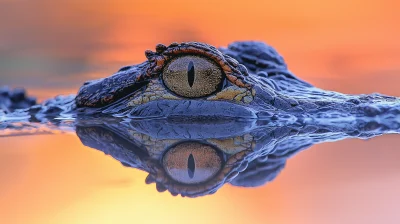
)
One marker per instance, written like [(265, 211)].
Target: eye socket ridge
[(234, 72)]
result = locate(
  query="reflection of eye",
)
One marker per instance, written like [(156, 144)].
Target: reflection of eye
[(192, 162), (192, 76)]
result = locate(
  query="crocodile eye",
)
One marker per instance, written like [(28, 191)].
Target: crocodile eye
[(192, 162), (193, 76)]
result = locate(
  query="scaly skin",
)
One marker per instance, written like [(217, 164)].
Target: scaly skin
[(261, 116), (258, 86)]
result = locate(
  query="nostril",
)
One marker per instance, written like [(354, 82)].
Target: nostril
[(86, 83)]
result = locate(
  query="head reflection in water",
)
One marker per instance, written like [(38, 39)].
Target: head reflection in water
[(195, 159)]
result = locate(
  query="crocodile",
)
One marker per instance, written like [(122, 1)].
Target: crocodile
[(191, 80), (196, 117)]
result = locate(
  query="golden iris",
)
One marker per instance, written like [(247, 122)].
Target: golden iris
[(193, 76)]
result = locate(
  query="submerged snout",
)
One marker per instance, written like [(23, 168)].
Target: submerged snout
[(192, 109)]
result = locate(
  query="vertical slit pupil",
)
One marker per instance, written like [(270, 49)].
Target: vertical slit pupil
[(191, 166), (191, 73)]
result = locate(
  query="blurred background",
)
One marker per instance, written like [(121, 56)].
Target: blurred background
[(52, 47)]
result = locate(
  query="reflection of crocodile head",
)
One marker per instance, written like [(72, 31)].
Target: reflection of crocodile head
[(181, 158), (190, 160)]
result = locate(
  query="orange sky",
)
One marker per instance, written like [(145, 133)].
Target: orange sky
[(75, 41)]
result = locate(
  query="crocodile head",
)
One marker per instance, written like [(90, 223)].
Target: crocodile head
[(245, 80)]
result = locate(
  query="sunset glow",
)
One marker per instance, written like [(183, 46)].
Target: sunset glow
[(52, 47)]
